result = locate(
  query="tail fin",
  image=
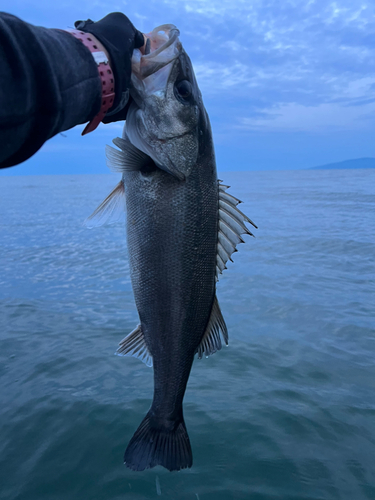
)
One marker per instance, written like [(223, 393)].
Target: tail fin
[(154, 445)]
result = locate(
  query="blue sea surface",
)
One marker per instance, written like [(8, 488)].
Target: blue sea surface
[(287, 411)]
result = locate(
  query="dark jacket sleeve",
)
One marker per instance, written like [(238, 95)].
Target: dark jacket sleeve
[(48, 83)]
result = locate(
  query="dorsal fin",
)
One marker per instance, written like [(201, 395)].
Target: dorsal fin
[(134, 345), (231, 226), (211, 341)]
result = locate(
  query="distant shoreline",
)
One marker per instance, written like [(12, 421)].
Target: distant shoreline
[(358, 163)]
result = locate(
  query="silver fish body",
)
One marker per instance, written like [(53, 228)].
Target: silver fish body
[(178, 243), (172, 233)]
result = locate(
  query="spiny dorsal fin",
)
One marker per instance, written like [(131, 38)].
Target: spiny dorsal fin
[(134, 345), (231, 226), (128, 159), (211, 341), (111, 210)]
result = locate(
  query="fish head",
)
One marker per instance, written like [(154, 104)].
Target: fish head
[(164, 117)]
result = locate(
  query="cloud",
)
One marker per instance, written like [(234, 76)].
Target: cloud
[(262, 65), (215, 78), (324, 118)]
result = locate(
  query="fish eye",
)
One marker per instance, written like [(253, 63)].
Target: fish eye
[(184, 90)]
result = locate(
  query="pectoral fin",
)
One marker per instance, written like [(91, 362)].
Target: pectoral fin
[(211, 341), (127, 159)]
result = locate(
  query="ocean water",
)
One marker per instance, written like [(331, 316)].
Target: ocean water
[(287, 411)]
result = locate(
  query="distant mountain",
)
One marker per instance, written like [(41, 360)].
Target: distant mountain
[(358, 163)]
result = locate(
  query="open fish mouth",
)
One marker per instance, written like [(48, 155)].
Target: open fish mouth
[(150, 71), (158, 122), (162, 47)]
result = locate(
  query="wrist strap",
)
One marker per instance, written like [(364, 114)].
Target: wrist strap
[(105, 73)]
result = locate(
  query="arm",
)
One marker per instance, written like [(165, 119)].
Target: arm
[(49, 81)]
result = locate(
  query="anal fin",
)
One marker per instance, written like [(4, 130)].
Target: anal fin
[(211, 341), (134, 345)]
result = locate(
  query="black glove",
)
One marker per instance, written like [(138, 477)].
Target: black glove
[(120, 38)]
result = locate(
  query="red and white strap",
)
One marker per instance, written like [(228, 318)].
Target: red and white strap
[(106, 76)]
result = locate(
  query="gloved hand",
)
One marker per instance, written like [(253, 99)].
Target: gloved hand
[(120, 38)]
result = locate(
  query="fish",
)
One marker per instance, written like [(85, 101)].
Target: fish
[(182, 228)]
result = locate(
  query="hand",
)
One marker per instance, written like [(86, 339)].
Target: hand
[(142, 49), (120, 38)]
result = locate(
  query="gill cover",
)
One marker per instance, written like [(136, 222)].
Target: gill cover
[(163, 118)]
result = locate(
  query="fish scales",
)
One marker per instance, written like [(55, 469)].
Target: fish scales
[(172, 250), (178, 239)]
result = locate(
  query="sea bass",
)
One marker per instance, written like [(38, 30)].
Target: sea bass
[(182, 227)]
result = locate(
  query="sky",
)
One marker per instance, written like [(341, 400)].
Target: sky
[(287, 85)]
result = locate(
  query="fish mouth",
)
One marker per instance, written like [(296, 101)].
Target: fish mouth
[(150, 75), (151, 70), (160, 50)]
